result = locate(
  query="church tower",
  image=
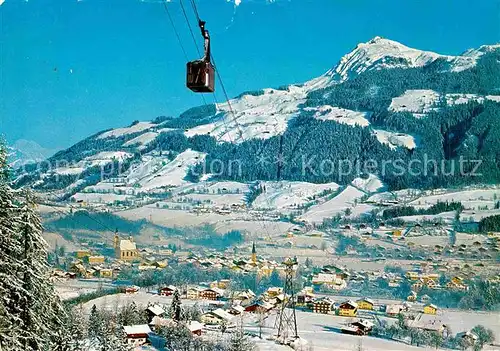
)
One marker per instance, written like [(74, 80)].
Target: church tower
[(116, 240), (254, 254)]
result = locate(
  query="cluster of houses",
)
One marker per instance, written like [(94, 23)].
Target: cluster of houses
[(137, 335), (431, 280), (224, 310), (221, 313), (260, 266)]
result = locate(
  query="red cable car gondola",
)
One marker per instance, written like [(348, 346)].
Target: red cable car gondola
[(201, 73)]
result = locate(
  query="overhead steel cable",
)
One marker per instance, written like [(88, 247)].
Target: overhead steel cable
[(195, 9), (190, 28), (235, 118), (165, 6)]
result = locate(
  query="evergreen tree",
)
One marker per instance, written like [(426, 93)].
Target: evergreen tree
[(30, 311), (10, 265), (484, 336), (77, 329), (95, 323), (175, 308), (41, 311), (56, 256), (130, 315), (240, 342), (112, 338)]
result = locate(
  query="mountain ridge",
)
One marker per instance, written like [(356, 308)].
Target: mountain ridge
[(363, 99)]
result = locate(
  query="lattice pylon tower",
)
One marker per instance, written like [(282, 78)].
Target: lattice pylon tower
[(286, 321)]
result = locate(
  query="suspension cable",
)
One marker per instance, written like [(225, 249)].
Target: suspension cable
[(231, 111), (190, 28), (175, 29), (179, 38)]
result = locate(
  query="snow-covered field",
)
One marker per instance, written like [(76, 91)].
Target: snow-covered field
[(394, 140), (261, 116), (118, 132), (340, 115), (209, 200), (372, 184), (446, 217), (417, 101), (346, 199), (399, 195), (99, 198), (169, 217), (288, 195), (422, 101), (68, 289), (321, 331), (174, 172), (142, 139), (466, 195), (477, 216), (69, 170)]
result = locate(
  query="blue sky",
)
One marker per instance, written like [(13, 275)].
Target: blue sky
[(71, 68)]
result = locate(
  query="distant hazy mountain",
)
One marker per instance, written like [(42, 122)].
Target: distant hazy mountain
[(24, 152), (382, 101)]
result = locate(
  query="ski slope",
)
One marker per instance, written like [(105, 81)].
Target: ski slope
[(142, 140), (462, 196), (372, 184), (394, 140), (346, 199), (340, 115), (289, 195), (262, 116), (138, 127), (422, 101), (174, 172)]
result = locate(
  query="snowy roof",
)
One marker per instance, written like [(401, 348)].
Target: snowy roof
[(222, 314), (194, 326), (325, 299), (325, 278), (161, 322), (265, 304), (467, 334), (156, 310), (275, 289), (137, 329), (351, 303), (238, 308), (216, 290), (365, 299), (393, 309), (126, 244), (170, 287), (365, 323)]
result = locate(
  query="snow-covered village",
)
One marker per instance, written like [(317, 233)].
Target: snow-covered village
[(306, 191)]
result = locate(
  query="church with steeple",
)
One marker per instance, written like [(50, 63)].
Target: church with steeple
[(125, 249), (254, 254)]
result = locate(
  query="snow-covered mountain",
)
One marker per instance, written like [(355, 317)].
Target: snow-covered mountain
[(24, 152), (380, 53), (345, 116), (268, 113)]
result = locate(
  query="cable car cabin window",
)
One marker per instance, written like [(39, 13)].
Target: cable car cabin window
[(200, 76)]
